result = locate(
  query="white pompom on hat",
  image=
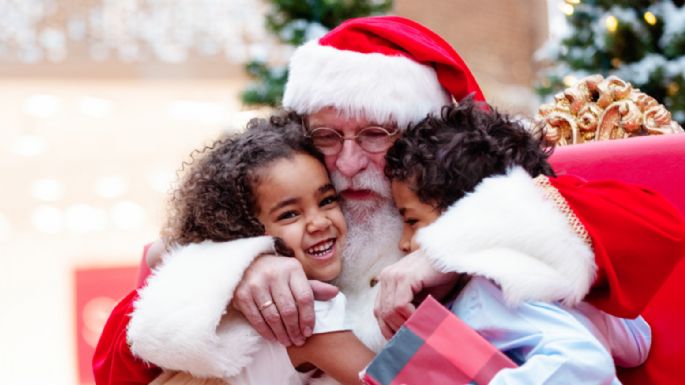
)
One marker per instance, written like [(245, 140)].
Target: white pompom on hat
[(384, 68)]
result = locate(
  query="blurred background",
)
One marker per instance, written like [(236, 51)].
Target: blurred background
[(101, 101)]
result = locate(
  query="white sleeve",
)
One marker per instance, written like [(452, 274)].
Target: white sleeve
[(180, 321), (330, 315), (550, 345), (271, 365)]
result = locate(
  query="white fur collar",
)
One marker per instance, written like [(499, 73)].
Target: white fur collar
[(507, 230)]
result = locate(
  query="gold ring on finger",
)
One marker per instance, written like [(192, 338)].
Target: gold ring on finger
[(265, 305)]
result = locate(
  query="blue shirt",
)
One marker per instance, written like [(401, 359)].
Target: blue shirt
[(551, 343)]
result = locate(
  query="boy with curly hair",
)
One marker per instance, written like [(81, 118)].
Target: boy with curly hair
[(438, 164)]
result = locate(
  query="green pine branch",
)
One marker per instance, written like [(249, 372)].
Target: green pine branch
[(626, 38), (294, 22)]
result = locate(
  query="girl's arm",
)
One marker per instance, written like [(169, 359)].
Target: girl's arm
[(339, 354)]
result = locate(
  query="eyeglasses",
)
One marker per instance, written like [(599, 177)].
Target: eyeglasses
[(373, 139)]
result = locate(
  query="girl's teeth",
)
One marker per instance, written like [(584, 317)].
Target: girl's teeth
[(321, 249)]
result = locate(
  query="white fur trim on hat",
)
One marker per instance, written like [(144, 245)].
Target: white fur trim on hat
[(180, 320), (506, 230), (374, 86)]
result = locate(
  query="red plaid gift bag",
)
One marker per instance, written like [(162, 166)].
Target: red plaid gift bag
[(436, 347)]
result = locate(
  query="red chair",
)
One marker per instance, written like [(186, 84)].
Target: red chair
[(656, 162)]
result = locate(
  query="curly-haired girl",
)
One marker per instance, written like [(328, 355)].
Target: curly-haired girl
[(271, 180), (438, 164)]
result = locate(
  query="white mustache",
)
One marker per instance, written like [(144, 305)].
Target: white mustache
[(368, 179)]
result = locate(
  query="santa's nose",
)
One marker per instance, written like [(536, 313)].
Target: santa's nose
[(352, 159)]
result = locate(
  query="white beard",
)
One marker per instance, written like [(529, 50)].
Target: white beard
[(374, 230), (371, 245)]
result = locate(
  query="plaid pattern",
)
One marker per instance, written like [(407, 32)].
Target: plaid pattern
[(436, 347)]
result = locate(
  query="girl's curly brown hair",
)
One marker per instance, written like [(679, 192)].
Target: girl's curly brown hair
[(443, 158), (215, 199)]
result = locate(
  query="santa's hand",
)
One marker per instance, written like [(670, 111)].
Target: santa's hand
[(277, 299), (399, 283)]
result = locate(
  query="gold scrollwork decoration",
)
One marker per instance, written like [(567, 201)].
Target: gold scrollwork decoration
[(602, 109)]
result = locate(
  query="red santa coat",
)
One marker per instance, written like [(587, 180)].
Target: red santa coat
[(540, 219), (656, 162)]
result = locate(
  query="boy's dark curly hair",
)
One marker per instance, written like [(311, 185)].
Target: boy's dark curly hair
[(215, 199), (444, 158)]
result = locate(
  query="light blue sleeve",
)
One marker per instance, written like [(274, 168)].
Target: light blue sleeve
[(628, 340), (631, 340), (550, 345)]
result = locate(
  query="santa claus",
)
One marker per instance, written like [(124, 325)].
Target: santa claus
[(207, 306)]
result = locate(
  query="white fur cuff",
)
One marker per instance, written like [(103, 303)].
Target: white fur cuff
[(507, 231), (179, 321)]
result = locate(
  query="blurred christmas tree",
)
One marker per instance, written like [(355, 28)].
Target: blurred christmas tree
[(295, 22), (640, 41)]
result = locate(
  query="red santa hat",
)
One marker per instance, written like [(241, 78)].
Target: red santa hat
[(385, 68)]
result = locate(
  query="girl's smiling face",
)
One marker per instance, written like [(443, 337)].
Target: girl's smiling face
[(297, 203)]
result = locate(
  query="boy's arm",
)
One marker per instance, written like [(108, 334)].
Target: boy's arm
[(615, 241), (341, 355), (628, 340), (637, 236), (549, 343)]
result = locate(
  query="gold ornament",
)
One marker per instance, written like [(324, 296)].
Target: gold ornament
[(672, 88), (601, 109), (650, 18), (611, 23)]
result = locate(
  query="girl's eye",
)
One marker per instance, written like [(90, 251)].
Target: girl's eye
[(286, 215), (411, 221), (329, 200)]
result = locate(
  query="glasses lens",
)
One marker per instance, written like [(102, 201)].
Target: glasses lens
[(326, 139), (375, 139)]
